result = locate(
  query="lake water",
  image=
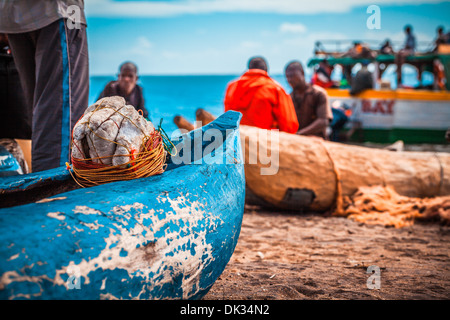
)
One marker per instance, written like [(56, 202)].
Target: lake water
[(168, 96)]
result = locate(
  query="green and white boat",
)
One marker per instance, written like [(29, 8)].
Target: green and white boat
[(385, 116)]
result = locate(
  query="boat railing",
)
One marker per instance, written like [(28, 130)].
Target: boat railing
[(333, 47)]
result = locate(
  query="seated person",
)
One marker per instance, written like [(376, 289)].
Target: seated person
[(261, 100), (322, 76), (310, 101), (363, 80), (386, 47), (126, 86), (439, 75), (440, 39), (340, 118)]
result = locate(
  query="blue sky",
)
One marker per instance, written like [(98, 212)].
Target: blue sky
[(219, 36)]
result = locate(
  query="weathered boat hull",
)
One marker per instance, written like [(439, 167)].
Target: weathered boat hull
[(164, 237)]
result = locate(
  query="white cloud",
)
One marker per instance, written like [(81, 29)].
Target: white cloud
[(292, 28), (171, 55), (308, 40), (142, 46), (110, 8), (251, 44)]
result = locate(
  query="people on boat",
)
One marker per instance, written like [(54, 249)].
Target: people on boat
[(51, 55), (322, 75), (386, 47), (310, 102), (126, 86), (262, 101), (408, 49), (439, 75), (363, 79)]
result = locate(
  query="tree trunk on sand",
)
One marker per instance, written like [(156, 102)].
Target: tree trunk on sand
[(323, 172)]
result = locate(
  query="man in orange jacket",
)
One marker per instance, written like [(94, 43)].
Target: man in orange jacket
[(261, 100)]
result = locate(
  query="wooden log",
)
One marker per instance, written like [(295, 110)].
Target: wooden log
[(314, 174), (326, 171)]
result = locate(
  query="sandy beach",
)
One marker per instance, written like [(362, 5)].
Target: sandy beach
[(287, 256)]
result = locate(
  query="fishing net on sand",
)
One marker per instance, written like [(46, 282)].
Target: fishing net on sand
[(113, 142), (382, 205)]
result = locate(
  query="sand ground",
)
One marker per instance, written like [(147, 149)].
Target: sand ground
[(286, 256)]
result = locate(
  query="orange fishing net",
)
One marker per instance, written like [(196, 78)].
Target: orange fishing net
[(382, 205)]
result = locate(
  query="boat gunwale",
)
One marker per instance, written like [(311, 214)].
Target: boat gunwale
[(34, 185)]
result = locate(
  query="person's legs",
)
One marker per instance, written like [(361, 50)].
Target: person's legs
[(15, 112), (79, 68), (20, 111), (400, 58), (23, 47), (60, 92), (203, 116), (183, 123)]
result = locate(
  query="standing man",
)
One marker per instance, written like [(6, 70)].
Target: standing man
[(310, 101), (126, 86), (261, 100), (408, 49), (49, 45), (363, 79)]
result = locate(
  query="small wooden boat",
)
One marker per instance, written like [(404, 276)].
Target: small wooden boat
[(163, 237)]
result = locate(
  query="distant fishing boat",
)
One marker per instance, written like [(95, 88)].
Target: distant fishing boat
[(168, 236), (385, 115)]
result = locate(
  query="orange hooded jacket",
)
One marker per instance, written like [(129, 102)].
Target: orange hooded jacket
[(262, 102)]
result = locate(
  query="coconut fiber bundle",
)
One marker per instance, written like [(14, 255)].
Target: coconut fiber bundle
[(383, 206), (113, 142)]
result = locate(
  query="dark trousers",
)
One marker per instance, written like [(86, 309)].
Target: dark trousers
[(54, 71), (15, 113)]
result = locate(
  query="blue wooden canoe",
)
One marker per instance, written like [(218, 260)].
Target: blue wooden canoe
[(164, 237)]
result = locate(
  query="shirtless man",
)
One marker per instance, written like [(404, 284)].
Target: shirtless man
[(126, 86)]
